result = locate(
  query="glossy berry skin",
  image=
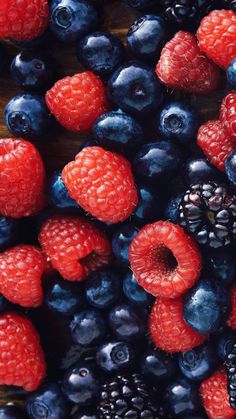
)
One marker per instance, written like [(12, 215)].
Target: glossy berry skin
[(85, 414), (135, 89), (158, 366), (58, 196), (141, 4), (199, 363), (157, 161), (127, 323), (118, 131), (231, 73), (81, 384), (135, 294), (150, 204), (3, 57), (63, 297), (121, 241), (146, 36), (88, 328), (230, 166), (100, 52), (102, 289), (181, 397), (9, 232), (207, 306), (115, 356), (26, 115), (225, 343), (48, 402), (11, 412), (172, 208), (221, 263), (198, 170), (70, 20)]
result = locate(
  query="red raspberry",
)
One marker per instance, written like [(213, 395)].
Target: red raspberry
[(23, 20), (21, 270), (215, 396), (102, 183), (168, 329), (228, 113), (215, 143), (22, 178), (21, 357), (164, 259), (74, 246), (77, 101), (232, 317), (216, 36), (183, 66)]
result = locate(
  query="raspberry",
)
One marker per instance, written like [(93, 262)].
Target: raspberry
[(183, 66), (232, 317), (74, 246), (215, 396), (102, 183), (21, 269), (164, 259), (228, 114), (168, 329), (23, 20), (216, 36), (215, 142), (21, 357), (77, 101), (22, 178)]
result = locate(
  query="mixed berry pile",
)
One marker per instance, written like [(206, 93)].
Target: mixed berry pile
[(118, 271)]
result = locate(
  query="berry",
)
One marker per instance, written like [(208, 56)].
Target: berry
[(232, 317), (198, 363), (74, 246), (230, 165), (88, 328), (231, 73), (101, 53), (9, 232), (181, 397), (208, 212), (127, 323), (135, 294), (70, 20), (158, 366), (215, 397), (121, 241), (172, 208), (225, 342), (229, 4), (23, 21), (58, 196), (165, 261), (85, 414), (135, 89), (11, 412), (77, 101), (102, 288), (199, 170), (21, 357), (115, 356), (231, 369), (183, 66), (168, 329), (141, 4), (3, 57), (221, 264), (218, 25), (63, 297), (102, 183), (150, 204), (215, 143), (48, 402), (228, 111), (123, 396)]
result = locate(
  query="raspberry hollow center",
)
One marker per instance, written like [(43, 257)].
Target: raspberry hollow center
[(164, 259)]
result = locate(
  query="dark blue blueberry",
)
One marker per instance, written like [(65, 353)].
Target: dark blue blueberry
[(231, 73), (103, 288), (81, 384), (181, 397), (225, 342), (4, 304), (115, 356), (101, 52), (150, 204), (141, 4), (230, 167), (147, 36), (206, 306), (70, 20), (121, 241), (26, 115), (9, 232), (158, 366), (85, 414), (63, 296), (222, 264), (198, 363), (172, 208), (157, 161), (58, 196), (135, 88), (127, 323), (118, 131), (48, 402), (134, 292), (3, 57), (11, 412), (88, 328), (199, 170)]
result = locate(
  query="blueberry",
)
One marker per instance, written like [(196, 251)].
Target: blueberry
[(48, 402), (157, 161), (132, 290), (81, 384), (103, 288), (150, 204), (9, 232), (115, 356), (225, 342), (158, 366), (27, 116), (172, 208), (222, 264), (126, 323), (85, 414), (230, 167), (231, 73), (141, 4), (181, 397), (135, 89), (206, 306), (146, 37), (58, 196), (199, 170), (3, 57), (11, 412), (198, 363), (70, 20), (63, 297), (101, 52), (88, 328), (121, 241), (116, 130)]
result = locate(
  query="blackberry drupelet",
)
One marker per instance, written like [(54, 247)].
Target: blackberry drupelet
[(231, 371), (208, 212), (229, 4)]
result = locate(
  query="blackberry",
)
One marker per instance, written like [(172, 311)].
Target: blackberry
[(229, 4), (231, 371), (208, 212), (128, 397)]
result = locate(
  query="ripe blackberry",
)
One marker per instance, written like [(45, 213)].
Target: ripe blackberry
[(127, 397), (208, 212), (229, 4), (231, 372)]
